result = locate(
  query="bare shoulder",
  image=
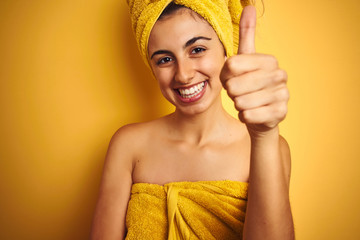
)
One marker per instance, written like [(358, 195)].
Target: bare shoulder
[(122, 145), (129, 141), (129, 132), (132, 136), (286, 156), (126, 137), (115, 188)]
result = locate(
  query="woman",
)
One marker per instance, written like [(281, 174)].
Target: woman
[(198, 173)]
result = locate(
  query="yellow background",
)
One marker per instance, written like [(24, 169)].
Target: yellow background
[(71, 75)]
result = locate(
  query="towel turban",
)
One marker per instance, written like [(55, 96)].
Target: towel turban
[(222, 15)]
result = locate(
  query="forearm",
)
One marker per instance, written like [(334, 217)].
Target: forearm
[(268, 214)]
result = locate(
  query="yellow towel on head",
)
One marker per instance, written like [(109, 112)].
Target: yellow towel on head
[(222, 15), (187, 210)]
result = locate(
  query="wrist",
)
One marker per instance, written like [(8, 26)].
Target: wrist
[(270, 133)]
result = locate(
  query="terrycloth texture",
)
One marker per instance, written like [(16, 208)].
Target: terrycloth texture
[(187, 210), (223, 16)]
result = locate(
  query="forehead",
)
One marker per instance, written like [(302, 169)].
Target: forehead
[(180, 26)]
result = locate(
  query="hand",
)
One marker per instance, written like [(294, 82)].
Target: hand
[(254, 81)]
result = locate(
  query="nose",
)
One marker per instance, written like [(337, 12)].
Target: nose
[(184, 71)]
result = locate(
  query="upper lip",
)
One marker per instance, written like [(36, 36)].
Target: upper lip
[(189, 86)]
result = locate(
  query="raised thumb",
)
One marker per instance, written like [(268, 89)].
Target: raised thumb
[(247, 27)]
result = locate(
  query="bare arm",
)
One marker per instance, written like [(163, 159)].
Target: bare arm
[(258, 88), (109, 218), (268, 214)]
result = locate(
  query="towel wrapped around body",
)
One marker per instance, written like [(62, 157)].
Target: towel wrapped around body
[(187, 210)]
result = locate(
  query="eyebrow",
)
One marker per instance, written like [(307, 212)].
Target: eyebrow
[(194, 39), (188, 43)]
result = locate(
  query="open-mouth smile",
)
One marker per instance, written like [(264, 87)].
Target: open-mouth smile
[(192, 93)]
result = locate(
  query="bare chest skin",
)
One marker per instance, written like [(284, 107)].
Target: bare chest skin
[(164, 160)]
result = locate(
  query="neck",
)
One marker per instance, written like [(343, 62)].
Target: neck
[(200, 128)]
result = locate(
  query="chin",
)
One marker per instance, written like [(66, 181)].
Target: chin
[(193, 110)]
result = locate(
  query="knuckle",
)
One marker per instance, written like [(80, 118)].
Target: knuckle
[(241, 116), (283, 94), (239, 103), (246, 116), (227, 85), (281, 111), (230, 86), (284, 75), (280, 76), (273, 61), (231, 63)]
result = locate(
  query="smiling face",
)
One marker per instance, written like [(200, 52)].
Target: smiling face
[(186, 58)]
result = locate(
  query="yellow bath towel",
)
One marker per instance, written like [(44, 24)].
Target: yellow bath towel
[(187, 210), (223, 16)]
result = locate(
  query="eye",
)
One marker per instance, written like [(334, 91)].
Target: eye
[(198, 50), (164, 60)]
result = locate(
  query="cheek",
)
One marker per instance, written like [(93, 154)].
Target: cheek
[(163, 78), (213, 65)]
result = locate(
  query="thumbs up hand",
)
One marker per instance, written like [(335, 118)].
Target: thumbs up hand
[(254, 81)]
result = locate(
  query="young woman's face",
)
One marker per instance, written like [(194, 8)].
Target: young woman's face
[(186, 58)]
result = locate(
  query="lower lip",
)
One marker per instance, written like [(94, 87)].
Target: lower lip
[(194, 98)]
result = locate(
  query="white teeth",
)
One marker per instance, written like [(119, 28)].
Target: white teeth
[(193, 91)]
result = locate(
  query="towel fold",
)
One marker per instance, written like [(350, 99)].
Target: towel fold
[(187, 210), (222, 15)]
